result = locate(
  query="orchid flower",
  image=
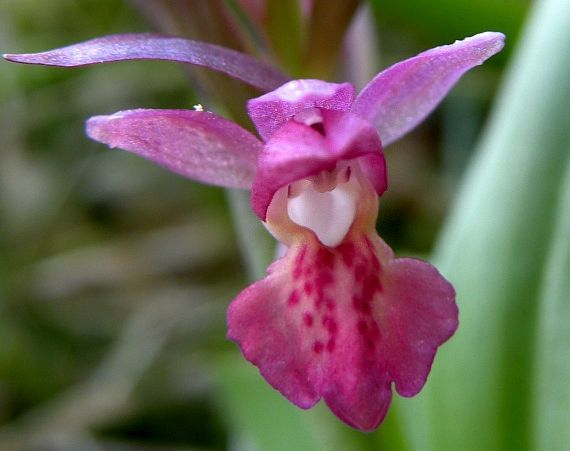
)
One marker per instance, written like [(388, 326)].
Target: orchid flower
[(338, 317)]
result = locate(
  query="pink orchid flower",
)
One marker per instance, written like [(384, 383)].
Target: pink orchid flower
[(338, 317)]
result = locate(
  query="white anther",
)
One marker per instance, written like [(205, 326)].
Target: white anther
[(328, 214)]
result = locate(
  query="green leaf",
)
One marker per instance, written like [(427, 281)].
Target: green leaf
[(496, 244), (441, 21), (552, 389), (259, 416)]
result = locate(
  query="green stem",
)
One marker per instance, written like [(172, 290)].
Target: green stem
[(328, 24), (286, 32), (256, 244)]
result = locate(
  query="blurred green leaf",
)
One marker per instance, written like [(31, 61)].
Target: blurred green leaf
[(551, 419), (259, 416), (441, 21), (497, 241), (257, 246), (262, 419)]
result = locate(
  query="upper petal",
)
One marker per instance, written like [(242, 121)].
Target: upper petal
[(198, 145), (400, 97), (297, 151), (270, 111), (153, 46)]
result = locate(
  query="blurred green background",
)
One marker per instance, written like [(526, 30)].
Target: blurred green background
[(115, 274)]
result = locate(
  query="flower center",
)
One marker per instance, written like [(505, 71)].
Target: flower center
[(325, 204)]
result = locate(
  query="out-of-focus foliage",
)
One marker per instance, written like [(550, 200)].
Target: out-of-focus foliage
[(115, 275), (439, 21), (506, 251)]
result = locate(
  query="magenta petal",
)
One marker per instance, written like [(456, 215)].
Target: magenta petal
[(272, 110), (198, 145), (343, 324), (297, 151), (152, 46), (400, 97)]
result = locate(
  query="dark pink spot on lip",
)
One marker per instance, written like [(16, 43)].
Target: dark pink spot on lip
[(347, 251), (373, 258), (370, 285), (361, 304), (329, 324), (324, 258), (318, 347), (308, 319), (308, 288), (330, 345), (379, 287), (323, 278), (293, 298), (298, 269), (359, 272), (374, 330)]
